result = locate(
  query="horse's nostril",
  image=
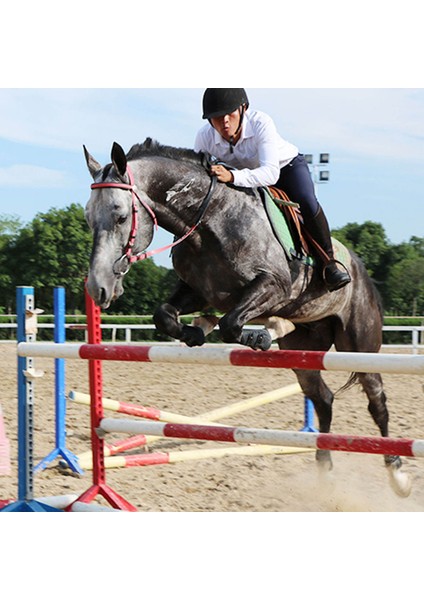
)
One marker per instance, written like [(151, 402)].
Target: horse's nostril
[(102, 296)]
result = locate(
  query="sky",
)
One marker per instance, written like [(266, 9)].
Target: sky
[(375, 138)]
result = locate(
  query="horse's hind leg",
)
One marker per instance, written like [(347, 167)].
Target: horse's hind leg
[(355, 338), (315, 388), (372, 385)]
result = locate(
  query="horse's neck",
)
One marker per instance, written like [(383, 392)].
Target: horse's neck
[(176, 192), (151, 179)]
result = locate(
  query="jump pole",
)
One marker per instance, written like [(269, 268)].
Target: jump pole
[(99, 486), (301, 439), (60, 397), (165, 458), (360, 362)]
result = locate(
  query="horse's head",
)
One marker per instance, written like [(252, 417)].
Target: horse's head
[(120, 229)]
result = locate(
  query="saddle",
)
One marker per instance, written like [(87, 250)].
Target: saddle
[(285, 215)]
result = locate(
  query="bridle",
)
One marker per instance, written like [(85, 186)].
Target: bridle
[(122, 265)]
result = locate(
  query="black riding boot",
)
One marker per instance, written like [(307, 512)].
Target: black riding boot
[(333, 277)]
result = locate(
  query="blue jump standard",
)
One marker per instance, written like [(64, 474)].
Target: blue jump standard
[(25, 502), (60, 337), (309, 417)]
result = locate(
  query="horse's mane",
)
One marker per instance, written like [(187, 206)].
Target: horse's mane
[(152, 148)]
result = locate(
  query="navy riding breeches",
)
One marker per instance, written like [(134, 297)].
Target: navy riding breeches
[(296, 181)]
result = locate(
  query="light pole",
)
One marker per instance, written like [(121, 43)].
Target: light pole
[(318, 172)]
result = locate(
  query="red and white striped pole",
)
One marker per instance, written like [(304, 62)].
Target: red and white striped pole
[(319, 441), (360, 362)]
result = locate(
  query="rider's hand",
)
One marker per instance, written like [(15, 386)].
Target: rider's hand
[(223, 175)]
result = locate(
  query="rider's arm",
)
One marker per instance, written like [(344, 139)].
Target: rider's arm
[(266, 142)]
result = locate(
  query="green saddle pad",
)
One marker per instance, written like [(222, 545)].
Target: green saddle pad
[(282, 233), (281, 229)]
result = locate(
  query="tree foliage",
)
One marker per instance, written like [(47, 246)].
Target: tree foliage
[(397, 270)]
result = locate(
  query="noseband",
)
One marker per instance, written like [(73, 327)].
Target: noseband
[(122, 265)]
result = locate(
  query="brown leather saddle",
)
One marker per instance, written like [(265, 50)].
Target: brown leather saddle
[(304, 242)]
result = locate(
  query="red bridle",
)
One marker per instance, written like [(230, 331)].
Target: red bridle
[(128, 255)]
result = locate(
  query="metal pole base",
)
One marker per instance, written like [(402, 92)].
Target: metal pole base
[(114, 499), (68, 457), (28, 506)]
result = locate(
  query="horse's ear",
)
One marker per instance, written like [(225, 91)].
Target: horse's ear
[(93, 166), (119, 159)]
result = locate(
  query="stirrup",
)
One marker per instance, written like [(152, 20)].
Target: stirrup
[(340, 278)]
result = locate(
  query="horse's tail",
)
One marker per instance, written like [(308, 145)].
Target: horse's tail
[(353, 380)]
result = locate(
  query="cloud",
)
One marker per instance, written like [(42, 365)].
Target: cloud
[(31, 176), (67, 118), (366, 123), (386, 124)]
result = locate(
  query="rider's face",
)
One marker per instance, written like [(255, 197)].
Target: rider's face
[(227, 125)]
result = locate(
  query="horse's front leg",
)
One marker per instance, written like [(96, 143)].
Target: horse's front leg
[(183, 301), (259, 297)]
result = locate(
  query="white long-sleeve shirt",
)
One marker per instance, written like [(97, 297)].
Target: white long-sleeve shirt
[(259, 154)]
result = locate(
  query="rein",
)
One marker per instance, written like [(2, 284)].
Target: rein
[(128, 255)]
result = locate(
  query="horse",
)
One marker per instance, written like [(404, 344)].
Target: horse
[(227, 257)]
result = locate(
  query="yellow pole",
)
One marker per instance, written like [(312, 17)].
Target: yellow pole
[(115, 462)]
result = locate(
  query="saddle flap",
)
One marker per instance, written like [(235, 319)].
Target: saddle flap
[(285, 222)]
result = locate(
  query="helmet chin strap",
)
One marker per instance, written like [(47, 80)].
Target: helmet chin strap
[(242, 110)]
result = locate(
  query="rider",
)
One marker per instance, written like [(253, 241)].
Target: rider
[(248, 140)]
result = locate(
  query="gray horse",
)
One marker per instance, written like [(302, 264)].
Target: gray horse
[(227, 257)]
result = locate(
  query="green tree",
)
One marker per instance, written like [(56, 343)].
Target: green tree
[(10, 225), (370, 243), (53, 250), (417, 244), (404, 285), (146, 287), (9, 230)]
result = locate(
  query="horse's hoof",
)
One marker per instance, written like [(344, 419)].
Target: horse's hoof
[(192, 336), (324, 462), (256, 339), (400, 482)]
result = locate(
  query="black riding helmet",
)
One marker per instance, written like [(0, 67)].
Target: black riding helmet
[(218, 102)]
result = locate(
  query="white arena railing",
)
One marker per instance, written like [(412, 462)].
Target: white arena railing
[(416, 345)]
